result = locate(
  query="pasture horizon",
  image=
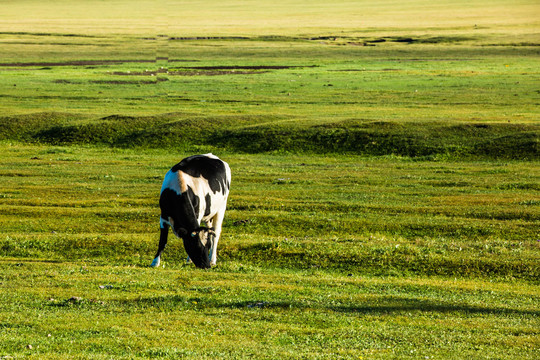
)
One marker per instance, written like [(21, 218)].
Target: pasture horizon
[(253, 17)]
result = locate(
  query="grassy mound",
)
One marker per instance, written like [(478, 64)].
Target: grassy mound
[(243, 134)]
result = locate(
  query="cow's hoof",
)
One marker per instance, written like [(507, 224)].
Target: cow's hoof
[(155, 263)]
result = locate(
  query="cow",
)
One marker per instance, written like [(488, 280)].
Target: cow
[(194, 191)]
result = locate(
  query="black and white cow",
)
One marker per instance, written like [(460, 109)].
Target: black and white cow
[(195, 190)]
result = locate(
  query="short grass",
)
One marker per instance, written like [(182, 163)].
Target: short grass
[(253, 17), (339, 212), (321, 257), (66, 310), (384, 202)]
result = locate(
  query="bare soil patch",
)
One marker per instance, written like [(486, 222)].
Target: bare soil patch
[(127, 82), (242, 67), (87, 62), (209, 70)]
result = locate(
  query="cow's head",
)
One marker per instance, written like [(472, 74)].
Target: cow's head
[(197, 244)]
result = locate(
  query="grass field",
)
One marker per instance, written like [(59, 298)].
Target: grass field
[(371, 258), (385, 193)]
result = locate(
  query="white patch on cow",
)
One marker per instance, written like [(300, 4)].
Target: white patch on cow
[(201, 188), (204, 238), (211, 156), (199, 185), (169, 222), (172, 182)]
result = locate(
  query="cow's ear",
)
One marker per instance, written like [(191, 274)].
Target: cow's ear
[(182, 232), (194, 234)]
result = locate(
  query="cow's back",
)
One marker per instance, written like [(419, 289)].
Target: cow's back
[(209, 167), (203, 178)]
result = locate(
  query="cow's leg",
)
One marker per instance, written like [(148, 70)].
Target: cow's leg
[(217, 221), (209, 224), (162, 243)]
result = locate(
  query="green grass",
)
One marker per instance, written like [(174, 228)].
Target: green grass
[(339, 212), (384, 199), (238, 311), (440, 89), (321, 257), (341, 102), (456, 99)]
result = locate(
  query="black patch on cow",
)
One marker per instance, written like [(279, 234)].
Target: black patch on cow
[(208, 204), (209, 168), (183, 209), (196, 251), (162, 239)]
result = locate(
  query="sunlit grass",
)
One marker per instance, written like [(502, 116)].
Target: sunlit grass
[(341, 212), (239, 311)]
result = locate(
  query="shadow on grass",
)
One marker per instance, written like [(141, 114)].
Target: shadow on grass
[(398, 305), (382, 305)]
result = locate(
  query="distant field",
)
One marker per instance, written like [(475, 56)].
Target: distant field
[(286, 95), (252, 17), (446, 87), (385, 194)]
